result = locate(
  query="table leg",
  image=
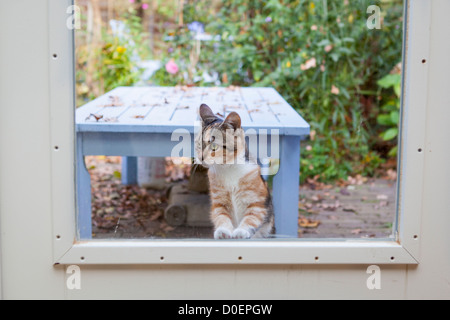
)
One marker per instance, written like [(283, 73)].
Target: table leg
[(84, 220), (129, 170), (286, 187)]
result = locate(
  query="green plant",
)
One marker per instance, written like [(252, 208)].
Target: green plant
[(136, 37), (322, 58), (107, 61), (390, 115), (318, 54), (116, 67)]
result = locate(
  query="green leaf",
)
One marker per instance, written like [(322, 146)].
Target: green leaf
[(334, 56), (395, 117), (389, 81), (347, 39), (324, 43), (393, 152), (390, 134), (398, 89), (384, 120), (391, 105), (258, 74)]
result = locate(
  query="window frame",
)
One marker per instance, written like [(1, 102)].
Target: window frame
[(403, 249)]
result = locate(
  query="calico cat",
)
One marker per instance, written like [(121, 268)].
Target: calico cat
[(241, 205)]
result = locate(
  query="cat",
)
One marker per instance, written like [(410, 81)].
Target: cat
[(241, 204)]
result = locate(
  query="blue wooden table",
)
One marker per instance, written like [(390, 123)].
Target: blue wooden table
[(139, 121)]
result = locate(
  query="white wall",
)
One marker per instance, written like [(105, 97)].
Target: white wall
[(25, 198)]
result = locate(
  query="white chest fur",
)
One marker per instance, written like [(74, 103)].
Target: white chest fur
[(229, 176)]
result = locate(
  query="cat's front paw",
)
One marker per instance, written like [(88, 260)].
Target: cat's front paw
[(222, 233), (240, 233)]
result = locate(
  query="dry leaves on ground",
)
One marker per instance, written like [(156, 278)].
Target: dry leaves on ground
[(307, 223)]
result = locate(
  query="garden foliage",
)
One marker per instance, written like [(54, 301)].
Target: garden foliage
[(319, 54), (322, 58)]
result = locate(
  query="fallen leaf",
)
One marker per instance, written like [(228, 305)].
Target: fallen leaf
[(166, 228), (115, 101), (158, 214), (349, 209), (97, 117), (391, 175), (308, 223), (330, 206)]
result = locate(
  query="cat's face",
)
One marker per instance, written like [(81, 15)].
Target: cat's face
[(220, 141)]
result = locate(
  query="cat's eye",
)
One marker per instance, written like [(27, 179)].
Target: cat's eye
[(214, 146)]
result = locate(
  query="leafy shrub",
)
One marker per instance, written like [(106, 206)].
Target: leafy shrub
[(110, 61), (390, 116), (116, 67), (319, 55)]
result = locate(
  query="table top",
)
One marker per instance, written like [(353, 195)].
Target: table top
[(164, 109)]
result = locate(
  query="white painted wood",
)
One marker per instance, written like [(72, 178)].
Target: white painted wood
[(264, 101), (26, 226), (236, 252), (413, 125), (432, 278), (61, 102), (26, 151)]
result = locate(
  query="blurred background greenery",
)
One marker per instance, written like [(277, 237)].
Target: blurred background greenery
[(341, 76)]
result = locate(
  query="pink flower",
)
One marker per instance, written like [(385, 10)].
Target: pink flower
[(145, 6), (132, 1), (311, 63), (335, 90), (172, 67)]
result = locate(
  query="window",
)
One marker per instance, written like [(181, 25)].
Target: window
[(396, 247)]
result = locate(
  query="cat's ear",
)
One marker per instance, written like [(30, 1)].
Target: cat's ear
[(233, 120), (207, 115)]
